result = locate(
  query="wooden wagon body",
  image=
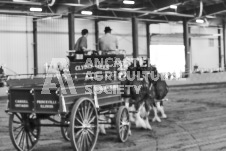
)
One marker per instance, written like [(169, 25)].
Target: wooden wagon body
[(79, 97)]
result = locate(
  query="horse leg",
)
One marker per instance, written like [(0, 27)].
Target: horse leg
[(131, 115), (161, 109), (148, 126), (102, 126), (156, 117), (139, 122)]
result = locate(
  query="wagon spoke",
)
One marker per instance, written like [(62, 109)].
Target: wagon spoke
[(29, 136), (21, 126), (83, 108), (121, 126), (85, 142), (80, 140), (33, 134), (90, 114), (90, 131), (18, 116), (24, 141), (79, 121), (92, 120), (92, 126), (77, 134), (17, 122), (87, 111), (27, 141), (82, 118), (19, 132), (78, 126), (122, 132), (21, 140), (89, 139), (121, 129)]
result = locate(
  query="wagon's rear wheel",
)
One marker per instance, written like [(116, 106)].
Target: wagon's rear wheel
[(65, 130), (84, 125), (122, 124), (24, 131)]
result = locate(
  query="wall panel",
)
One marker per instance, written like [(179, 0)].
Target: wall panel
[(16, 49), (52, 40), (142, 40)]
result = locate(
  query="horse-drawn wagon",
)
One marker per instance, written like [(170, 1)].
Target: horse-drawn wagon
[(78, 97)]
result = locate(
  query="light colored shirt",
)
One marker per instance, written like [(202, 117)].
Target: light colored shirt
[(108, 42)]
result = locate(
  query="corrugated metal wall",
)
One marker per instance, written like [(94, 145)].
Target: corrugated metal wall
[(52, 40), (16, 48)]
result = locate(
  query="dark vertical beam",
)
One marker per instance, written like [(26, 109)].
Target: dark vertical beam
[(148, 39), (97, 34), (71, 31), (219, 46), (135, 37), (186, 31), (35, 48), (224, 34)]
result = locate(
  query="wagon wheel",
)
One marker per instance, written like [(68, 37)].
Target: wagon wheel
[(65, 130), (122, 124), (84, 125), (24, 131)]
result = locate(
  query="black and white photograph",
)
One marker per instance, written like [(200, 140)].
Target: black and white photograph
[(112, 75)]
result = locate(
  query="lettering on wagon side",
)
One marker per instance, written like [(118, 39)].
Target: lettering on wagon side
[(47, 103), (21, 103)]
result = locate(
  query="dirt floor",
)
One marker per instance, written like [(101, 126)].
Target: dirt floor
[(196, 122)]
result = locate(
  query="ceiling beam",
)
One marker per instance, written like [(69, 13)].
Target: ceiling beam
[(22, 3)]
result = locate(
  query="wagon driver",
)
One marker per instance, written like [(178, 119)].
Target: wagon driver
[(81, 44), (108, 43)]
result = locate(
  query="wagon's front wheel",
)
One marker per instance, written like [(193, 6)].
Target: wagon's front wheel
[(122, 124), (24, 131), (84, 125), (65, 130)]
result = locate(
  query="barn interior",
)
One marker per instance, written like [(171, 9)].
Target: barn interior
[(184, 39)]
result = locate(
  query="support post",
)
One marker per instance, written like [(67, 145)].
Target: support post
[(135, 37), (148, 39), (219, 47), (71, 31), (97, 34), (224, 33), (35, 46), (186, 31)]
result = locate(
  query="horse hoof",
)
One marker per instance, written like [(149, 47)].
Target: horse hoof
[(164, 116), (130, 133), (156, 119)]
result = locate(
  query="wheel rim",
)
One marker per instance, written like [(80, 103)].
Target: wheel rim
[(24, 131), (84, 126), (65, 130), (124, 125)]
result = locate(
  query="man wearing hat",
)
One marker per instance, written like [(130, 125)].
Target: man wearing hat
[(108, 43)]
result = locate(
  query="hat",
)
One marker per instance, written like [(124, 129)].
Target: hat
[(107, 29)]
